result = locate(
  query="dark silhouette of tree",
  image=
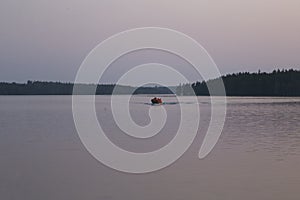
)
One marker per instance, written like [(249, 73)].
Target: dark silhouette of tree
[(276, 83), (58, 88)]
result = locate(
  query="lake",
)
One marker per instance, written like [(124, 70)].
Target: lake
[(257, 156)]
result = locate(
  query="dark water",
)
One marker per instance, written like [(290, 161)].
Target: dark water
[(257, 156)]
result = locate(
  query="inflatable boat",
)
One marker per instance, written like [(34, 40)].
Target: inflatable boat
[(156, 100)]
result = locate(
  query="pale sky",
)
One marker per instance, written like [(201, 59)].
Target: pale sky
[(48, 39)]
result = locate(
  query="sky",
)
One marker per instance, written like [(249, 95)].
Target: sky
[(48, 39)]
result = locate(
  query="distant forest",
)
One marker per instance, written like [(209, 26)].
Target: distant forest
[(59, 88), (276, 83)]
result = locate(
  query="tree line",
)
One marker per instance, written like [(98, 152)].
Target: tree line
[(59, 88), (276, 83)]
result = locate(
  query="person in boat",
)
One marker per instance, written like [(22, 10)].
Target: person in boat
[(156, 100)]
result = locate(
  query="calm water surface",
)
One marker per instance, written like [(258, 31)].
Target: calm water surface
[(257, 156)]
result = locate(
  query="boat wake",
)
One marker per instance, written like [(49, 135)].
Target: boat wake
[(170, 103)]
